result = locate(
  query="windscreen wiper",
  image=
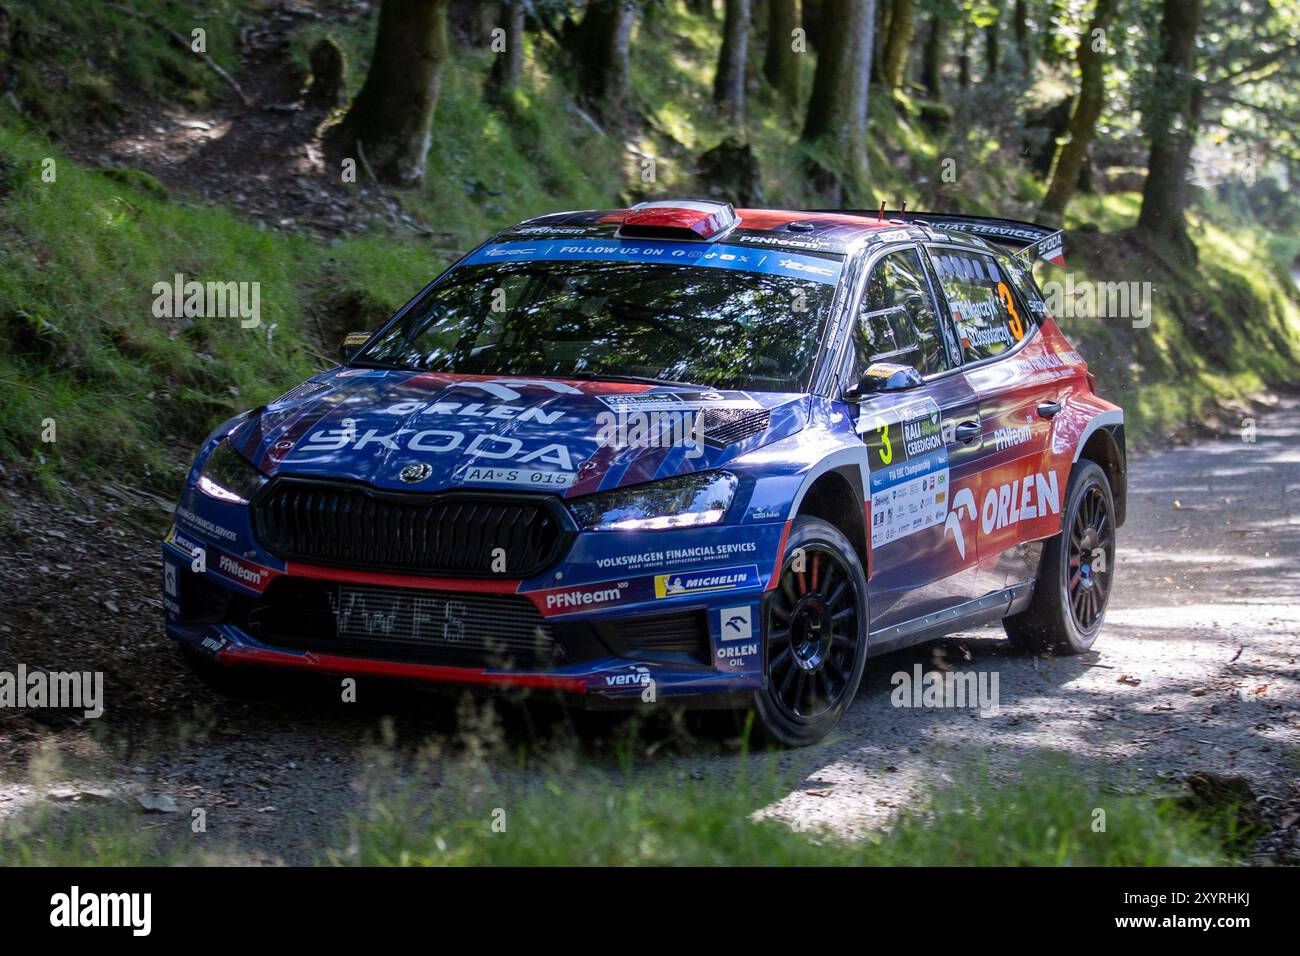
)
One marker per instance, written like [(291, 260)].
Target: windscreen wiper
[(642, 379), (372, 363)]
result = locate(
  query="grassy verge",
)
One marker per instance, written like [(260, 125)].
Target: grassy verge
[(1046, 819), (80, 344), (1049, 816)]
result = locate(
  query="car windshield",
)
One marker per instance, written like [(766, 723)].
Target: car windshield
[(713, 323)]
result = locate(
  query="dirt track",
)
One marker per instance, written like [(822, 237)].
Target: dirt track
[(1198, 668)]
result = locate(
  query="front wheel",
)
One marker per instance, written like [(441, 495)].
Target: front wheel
[(1075, 573), (815, 631)]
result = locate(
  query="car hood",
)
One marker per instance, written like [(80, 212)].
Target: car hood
[(427, 431)]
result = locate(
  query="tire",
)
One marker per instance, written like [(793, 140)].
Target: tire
[(1073, 585), (815, 632), (241, 682)]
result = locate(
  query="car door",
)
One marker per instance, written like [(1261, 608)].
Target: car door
[(1005, 368), (920, 442)]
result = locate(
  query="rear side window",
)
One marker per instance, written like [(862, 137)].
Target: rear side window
[(1022, 277), (988, 318)]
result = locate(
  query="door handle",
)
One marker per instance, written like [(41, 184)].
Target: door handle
[(967, 432), (1048, 409)]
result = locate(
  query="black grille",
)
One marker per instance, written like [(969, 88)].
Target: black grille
[(202, 601), (726, 426), (456, 534), (494, 630), (681, 638)]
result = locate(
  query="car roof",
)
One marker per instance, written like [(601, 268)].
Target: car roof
[(818, 231)]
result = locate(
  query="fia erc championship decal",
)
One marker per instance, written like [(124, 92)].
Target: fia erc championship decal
[(908, 461)]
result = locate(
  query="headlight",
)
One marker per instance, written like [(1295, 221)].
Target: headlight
[(227, 476), (685, 502)]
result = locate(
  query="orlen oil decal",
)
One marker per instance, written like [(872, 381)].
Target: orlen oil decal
[(1019, 501)]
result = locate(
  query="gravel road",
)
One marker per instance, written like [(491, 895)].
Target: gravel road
[(1196, 669)]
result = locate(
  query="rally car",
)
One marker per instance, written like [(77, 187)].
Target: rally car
[(671, 452)]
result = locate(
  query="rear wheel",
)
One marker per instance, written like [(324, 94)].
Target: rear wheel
[(816, 635), (1075, 574)]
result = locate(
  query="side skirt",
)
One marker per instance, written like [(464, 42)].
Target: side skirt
[(991, 607)]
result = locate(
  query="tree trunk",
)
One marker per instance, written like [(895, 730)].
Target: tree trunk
[(508, 66), (391, 121), (836, 124), (781, 62), (880, 31), (811, 19), (932, 58), (963, 59), (1020, 18), (992, 48), (702, 7), (898, 44), (729, 81), (1083, 119), (1173, 118), (599, 50)]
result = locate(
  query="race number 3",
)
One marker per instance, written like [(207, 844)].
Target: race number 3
[(1015, 323)]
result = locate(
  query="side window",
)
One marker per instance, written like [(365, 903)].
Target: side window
[(897, 321), (1022, 277), (985, 313)]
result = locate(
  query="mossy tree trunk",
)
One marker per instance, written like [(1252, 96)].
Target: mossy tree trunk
[(932, 58), (599, 48), (729, 81), (836, 124), (508, 66), (1173, 118), (898, 44), (1083, 118), (780, 61), (390, 123)]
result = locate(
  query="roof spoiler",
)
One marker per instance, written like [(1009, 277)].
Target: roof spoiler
[(1026, 239)]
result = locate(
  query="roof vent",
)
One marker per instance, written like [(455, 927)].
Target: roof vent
[(679, 219)]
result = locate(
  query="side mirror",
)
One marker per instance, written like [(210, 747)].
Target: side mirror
[(352, 343), (883, 377)]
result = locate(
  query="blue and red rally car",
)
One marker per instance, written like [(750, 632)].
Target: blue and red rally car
[(673, 451)]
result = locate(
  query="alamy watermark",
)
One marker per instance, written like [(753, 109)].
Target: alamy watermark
[(1100, 300), (652, 429), (59, 690), (220, 300), (946, 689)]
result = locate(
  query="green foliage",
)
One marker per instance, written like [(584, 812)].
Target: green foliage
[(1045, 817), (1043, 814), (128, 391), (108, 60)]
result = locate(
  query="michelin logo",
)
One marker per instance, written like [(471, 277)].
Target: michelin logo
[(704, 582)]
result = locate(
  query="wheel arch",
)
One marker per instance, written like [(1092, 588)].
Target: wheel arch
[(1105, 447), (836, 496)]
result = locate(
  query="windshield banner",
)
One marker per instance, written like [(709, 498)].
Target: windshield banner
[(704, 255)]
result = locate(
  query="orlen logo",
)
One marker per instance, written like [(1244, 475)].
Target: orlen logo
[(1024, 499)]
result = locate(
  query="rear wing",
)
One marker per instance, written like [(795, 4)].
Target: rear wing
[(1025, 239)]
